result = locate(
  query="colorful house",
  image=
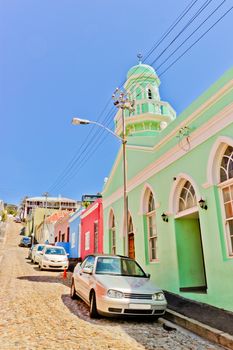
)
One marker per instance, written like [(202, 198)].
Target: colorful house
[(62, 229), (35, 222), (47, 230), (180, 190), (92, 229), (75, 232)]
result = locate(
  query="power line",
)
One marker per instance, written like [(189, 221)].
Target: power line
[(175, 23), (83, 161), (215, 10), (195, 42)]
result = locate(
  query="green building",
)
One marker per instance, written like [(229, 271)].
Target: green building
[(180, 190)]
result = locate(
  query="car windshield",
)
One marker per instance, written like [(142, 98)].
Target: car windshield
[(118, 266), (40, 248), (55, 251), (26, 238)]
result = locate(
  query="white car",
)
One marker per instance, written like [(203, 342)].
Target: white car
[(53, 258), (116, 285), (36, 252)]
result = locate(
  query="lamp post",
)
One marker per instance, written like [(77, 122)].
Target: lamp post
[(121, 101)]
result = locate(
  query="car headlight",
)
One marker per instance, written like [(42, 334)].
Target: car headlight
[(45, 258), (158, 296), (114, 294)]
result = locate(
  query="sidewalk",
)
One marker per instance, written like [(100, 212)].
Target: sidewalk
[(207, 321)]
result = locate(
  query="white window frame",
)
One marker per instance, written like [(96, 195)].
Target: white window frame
[(185, 200), (227, 183), (151, 215), (112, 235), (87, 240)]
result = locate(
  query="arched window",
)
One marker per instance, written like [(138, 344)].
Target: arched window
[(149, 94), (226, 168), (226, 179), (187, 197), (112, 235), (131, 247), (151, 227)]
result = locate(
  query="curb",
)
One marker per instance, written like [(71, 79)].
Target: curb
[(201, 329)]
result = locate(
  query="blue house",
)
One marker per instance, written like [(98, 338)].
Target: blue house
[(74, 237)]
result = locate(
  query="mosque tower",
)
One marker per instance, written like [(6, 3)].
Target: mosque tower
[(150, 115)]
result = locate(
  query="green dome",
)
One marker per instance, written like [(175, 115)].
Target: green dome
[(144, 69)]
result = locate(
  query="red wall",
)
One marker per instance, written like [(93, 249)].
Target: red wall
[(93, 213), (61, 226)]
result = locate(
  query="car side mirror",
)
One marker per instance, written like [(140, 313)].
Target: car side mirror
[(148, 275), (87, 270)]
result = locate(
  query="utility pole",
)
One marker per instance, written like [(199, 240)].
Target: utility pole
[(121, 101), (45, 213)]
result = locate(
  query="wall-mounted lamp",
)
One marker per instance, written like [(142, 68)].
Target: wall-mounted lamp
[(203, 204), (164, 217)]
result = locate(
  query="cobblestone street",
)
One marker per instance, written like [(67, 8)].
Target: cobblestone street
[(36, 312)]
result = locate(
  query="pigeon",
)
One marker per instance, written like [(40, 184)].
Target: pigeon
[(168, 328)]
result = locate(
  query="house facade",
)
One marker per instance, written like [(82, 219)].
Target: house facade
[(46, 230), (180, 190), (75, 234), (62, 229), (57, 203), (35, 223), (92, 229)]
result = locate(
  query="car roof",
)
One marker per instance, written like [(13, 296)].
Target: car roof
[(53, 246), (108, 255)]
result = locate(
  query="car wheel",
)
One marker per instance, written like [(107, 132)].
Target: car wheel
[(93, 310), (73, 294)]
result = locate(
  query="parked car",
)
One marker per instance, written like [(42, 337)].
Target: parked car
[(30, 252), (22, 231), (17, 219), (53, 258), (25, 241), (115, 285), (36, 252)]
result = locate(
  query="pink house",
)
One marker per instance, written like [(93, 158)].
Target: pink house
[(92, 229), (61, 229)]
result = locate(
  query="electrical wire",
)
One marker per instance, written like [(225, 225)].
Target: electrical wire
[(74, 158), (195, 42), (215, 10), (86, 157)]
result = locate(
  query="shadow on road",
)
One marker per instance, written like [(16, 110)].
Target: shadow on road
[(46, 279), (81, 310)]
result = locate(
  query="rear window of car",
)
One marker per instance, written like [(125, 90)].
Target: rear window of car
[(55, 251), (40, 248)]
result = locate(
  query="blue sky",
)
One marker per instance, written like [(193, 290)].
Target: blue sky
[(64, 58)]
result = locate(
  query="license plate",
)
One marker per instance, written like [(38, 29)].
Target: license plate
[(140, 306)]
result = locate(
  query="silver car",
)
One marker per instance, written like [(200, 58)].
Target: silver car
[(116, 285)]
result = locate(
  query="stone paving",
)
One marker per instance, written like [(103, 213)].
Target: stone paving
[(36, 312)]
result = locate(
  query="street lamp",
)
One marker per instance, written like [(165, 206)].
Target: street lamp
[(122, 102)]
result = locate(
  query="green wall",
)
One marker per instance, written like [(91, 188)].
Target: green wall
[(171, 271)]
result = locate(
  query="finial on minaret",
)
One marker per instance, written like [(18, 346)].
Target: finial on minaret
[(139, 56)]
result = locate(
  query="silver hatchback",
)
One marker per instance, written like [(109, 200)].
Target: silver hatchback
[(116, 285)]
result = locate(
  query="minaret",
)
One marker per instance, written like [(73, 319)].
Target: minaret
[(150, 115)]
